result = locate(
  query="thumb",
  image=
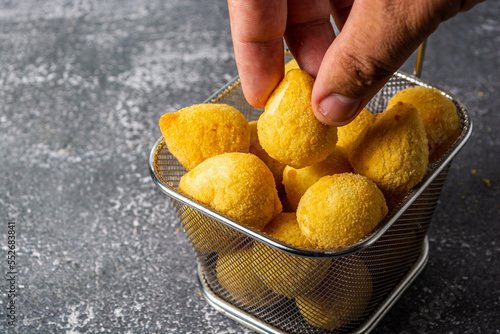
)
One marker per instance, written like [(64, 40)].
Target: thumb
[(374, 42)]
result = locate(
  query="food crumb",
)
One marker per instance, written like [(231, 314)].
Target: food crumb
[(487, 182), (473, 172), (177, 230), (480, 93)]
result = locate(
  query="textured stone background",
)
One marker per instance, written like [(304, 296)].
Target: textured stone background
[(82, 86)]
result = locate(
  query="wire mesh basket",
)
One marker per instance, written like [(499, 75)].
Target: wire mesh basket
[(273, 287)]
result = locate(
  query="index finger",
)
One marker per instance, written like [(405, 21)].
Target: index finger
[(257, 28)]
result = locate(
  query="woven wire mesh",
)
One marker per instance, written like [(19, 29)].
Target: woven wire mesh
[(301, 294)]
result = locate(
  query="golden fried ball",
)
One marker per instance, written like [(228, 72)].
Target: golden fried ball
[(238, 185), (393, 151), (208, 235), (297, 181), (438, 114), (274, 165), (291, 65), (340, 209), (235, 273), (201, 131), (347, 134), (288, 130), (341, 298), (284, 273)]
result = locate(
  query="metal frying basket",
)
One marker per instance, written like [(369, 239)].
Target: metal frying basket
[(273, 287)]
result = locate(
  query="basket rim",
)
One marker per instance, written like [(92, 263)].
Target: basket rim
[(367, 241)]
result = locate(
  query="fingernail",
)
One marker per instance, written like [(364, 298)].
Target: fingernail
[(338, 108)]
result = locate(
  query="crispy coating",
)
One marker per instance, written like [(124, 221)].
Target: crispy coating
[(347, 134), (438, 114), (274, 165), (297, 181), (201, 131), (340, 209), (235, 273), (393, 151), (238, 185), (288, 130), (341, 298), (207, 235), (291, 65), (284, 273)]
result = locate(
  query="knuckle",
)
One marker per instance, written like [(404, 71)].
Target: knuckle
[(365, 72)]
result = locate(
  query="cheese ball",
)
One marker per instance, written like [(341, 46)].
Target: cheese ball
[(341, 298), (393, 151), (287, 274), (290, 65), (297, 181), (347, 134), (288, 130), (235, 273), (238, 185), (438, 114), (274, 165), (201, 131), (340, 209), (207, 235)]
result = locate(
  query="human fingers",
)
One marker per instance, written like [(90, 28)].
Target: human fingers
[(340, 10), (376, 39), (309, 32), (257, 28)]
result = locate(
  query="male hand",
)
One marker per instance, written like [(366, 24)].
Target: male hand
[(376, 38)]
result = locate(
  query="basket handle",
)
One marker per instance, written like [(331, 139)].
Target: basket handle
[(417, 71)]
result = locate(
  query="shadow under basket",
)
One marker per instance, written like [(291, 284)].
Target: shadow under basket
[(272, 287)]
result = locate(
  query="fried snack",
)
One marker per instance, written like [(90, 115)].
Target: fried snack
[(347, 134), (297, 181), (286, 274), (340, 209), (291, 65), (207, 235), (274, 165), (341, 298), (393, 151), (201, 131), (288, 130), (438, 114), (238, 185), (235, 274)]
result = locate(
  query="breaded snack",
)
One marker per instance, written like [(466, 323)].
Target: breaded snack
[(438, 114), (235, 274), (284, 273), (341, 298), (347, 134), (297, 181), (340, 209), (288, 130), (393, 151), (238, 185), (274, 165), (201, 131), (291, 65), (208, 235)]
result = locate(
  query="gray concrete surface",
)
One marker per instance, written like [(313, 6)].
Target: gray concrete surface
[(82, 86)]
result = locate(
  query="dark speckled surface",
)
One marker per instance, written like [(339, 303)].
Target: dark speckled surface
[(82, 86)]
